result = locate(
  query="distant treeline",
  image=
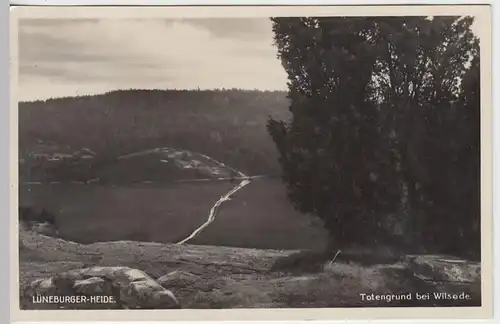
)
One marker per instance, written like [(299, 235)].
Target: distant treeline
[(228, 125)]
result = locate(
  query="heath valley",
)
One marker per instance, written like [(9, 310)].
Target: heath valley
[(249, 163)]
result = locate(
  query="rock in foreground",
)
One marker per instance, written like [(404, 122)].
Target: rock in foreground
[(101, 287), (149, 275)]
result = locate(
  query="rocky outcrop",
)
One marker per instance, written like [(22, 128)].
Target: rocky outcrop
[(149, 275), (179, 279), (101, 287), (445, 269)]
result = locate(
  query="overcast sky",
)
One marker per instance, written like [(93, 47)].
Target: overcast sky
[(74, 57), (71, 57)]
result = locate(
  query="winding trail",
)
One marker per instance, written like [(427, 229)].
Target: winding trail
[(245, 180), (213, 211)]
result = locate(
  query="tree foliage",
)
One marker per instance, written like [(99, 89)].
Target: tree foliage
[(385, 120)]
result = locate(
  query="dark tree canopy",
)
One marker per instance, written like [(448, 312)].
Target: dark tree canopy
[(385, 120)]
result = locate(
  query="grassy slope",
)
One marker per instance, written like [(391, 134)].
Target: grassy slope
[(259, 216), (228, 126), (142, 213)]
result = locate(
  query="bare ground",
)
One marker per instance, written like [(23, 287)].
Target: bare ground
[(247, 278)]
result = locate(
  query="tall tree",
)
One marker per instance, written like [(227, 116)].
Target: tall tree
[(420, 67), (378, 105), (330, 149)]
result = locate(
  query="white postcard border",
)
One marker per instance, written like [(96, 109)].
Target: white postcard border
[(484, 19)]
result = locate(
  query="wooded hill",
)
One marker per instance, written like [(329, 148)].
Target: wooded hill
[(227, 125)]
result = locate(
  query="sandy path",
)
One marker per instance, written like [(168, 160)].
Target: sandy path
[(213, 211)]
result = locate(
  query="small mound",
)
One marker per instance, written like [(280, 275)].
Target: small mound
[(41, 222), (314, 261), (169, 163)]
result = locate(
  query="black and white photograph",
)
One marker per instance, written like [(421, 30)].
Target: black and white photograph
[(252, 162)]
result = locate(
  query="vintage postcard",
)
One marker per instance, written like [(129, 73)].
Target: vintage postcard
[(251, 163)]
